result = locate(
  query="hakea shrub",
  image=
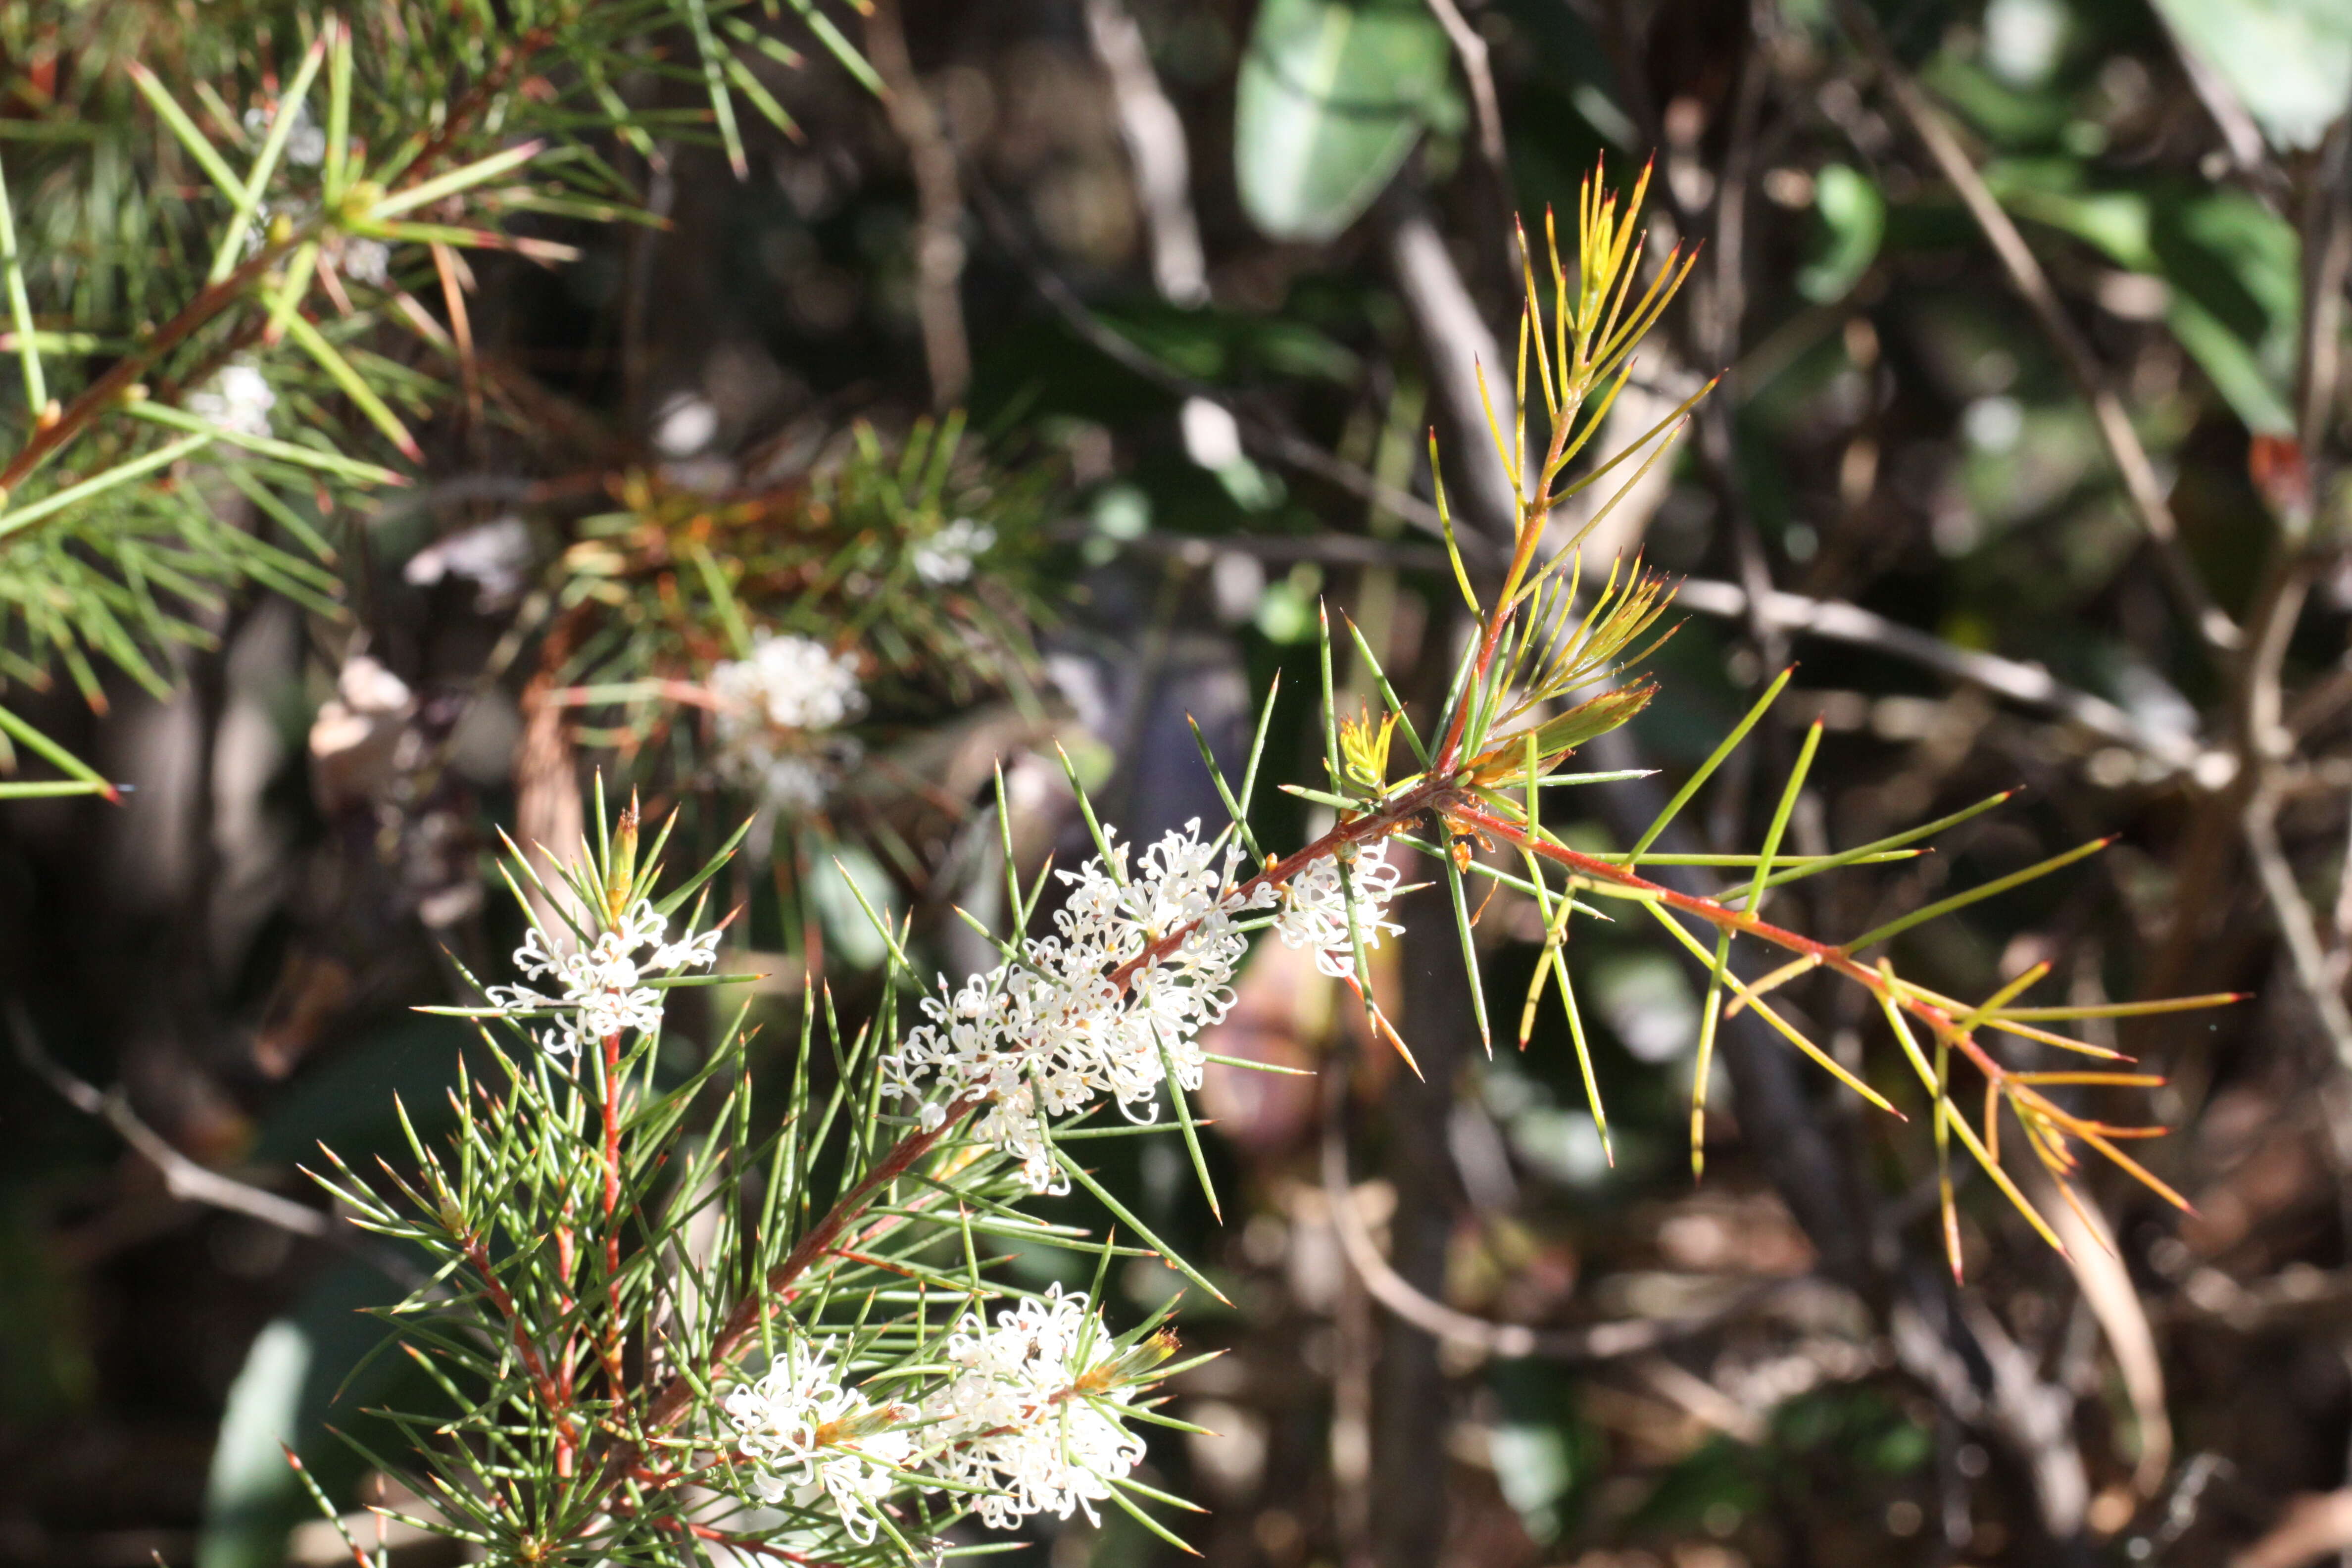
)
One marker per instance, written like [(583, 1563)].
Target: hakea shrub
[(693, 1313)]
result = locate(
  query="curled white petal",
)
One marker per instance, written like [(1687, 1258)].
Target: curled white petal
[(1315, 909), (773, 711), (800, 1435), (603, 989), (1020, 1417)]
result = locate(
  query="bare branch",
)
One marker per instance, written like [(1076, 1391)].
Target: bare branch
[(1507, 1342), (939, 238), (1458, 346), (1471, 50), (1154, 135), (2026, 683), (1260, 430), (183, 1177)]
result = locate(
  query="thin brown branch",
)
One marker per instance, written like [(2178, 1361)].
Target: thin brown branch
[(1506, 1342), (939, 225), (823, 1238), (433, 147), (2100, 1273), (183, 1177), (1471, 50), (1154, 134), (125, 373), (1458, 345), (2029, 684), (1264, 432), (552, 1389), (2327, 262), (2306, 954), (2240, 134)]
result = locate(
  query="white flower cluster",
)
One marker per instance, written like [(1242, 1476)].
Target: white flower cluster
[(803, 1436), (237, 399), (1026, 1421), (306, 141), (366, 261), (1315, 909), (790, 682), (1044, 1037), (603, 988), (770, 705), (1021, 1418), (946, 556)]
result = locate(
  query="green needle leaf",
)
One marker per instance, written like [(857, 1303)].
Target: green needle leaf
[(311, 342), (1977, 894), (1168, 1255), (1707, 769), (1780, 816), (20, 307)]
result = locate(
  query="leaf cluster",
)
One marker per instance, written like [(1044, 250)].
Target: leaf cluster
[(218, 239), (1536, 683), (675, 579)]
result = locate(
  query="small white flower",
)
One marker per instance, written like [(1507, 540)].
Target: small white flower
[(603, 988), (367, 261), (946, 556), (1023, 1416), (794, 784), (792, 682), (803, 1435), (305, 144), (494, 556), (773, 707), (237, 399), (1315, 909)]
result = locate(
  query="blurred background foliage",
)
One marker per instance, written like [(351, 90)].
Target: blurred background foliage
[(1059, 381)]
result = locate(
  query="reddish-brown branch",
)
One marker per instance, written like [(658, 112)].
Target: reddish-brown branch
[(824, 1238), (752, 1544), (670, 1405), (461, 113), (611, 1347), (534, 1364), (1723, 917), (747, 1317), (1432, 794), (118, 378)]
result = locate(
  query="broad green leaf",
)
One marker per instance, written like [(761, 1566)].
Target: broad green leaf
[(2289, 61), (2232, 270), (1333, 95), (1853, 220), (286, 1393)]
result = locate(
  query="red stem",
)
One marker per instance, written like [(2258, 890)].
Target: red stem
[(117, 379), (1716, 913), (550, 1392), (95, 399), (614, 1333)]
